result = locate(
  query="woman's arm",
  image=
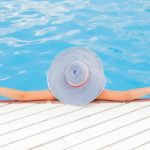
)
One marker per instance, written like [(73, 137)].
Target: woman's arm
[(26, 96), (124, 95), (47, 95)]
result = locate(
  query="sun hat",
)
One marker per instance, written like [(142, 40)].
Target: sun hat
[(76, 76)]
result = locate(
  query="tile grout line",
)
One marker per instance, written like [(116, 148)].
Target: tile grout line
[(134, 148), (53, 118), (108, 133), (59, 116), (29, 115), (17, 109), (104, 122), (80, 129), (53, 128), (128, 136), (41, 121), (4, 105)]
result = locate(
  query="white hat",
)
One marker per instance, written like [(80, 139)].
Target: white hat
[(76, 76)]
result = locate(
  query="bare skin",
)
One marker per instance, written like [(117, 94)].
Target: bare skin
[(108, 95)]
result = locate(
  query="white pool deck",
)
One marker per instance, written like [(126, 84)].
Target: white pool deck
[(97, 126)]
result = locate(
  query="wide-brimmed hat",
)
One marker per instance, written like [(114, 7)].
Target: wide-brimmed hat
[(76, 76)]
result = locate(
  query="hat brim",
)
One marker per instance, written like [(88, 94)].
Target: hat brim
[(84, 94)]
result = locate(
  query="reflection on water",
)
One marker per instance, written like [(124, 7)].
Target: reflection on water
[(33, 33)]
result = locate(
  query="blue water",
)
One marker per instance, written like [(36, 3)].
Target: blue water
[(33, 32)]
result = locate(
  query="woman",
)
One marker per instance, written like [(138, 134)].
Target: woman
[(76, 77), (127, 95)]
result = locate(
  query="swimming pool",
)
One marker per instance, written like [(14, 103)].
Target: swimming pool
[(33, 33)]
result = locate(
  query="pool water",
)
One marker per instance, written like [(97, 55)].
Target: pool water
[(32, 33)]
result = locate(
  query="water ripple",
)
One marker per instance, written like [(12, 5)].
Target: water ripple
[(31, 34)]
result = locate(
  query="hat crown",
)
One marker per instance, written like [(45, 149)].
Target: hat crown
[(77, 73)]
